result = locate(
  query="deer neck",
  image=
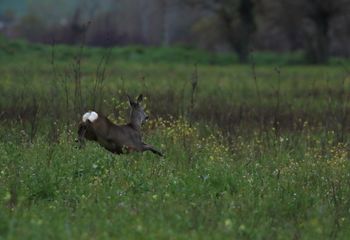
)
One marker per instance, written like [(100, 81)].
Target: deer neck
[(135, 121), (135, 125)]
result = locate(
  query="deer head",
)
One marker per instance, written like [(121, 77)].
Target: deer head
[(137, 113)]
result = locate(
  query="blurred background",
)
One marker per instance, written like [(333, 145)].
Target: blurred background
[(248, 99), (317, 29)]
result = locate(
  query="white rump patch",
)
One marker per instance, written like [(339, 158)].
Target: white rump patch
[(91, 116)]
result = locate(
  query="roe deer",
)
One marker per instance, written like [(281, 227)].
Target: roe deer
[(116, 139)]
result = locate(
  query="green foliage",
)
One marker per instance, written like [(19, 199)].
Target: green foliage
[(256, 159), (268, 187), (141, 54)]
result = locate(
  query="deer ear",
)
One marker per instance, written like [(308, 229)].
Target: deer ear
[(131, 102), (140, 98)]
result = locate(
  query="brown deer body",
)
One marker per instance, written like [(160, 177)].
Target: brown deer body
[(116, 138)]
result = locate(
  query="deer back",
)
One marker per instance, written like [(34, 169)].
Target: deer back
[(113, 137)]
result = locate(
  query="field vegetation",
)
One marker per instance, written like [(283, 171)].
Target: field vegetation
[(256, 151)]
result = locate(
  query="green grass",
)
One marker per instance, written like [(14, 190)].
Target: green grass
[(147, 55), (264, 159), (267, 187)]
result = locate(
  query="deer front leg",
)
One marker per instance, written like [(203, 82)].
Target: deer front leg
[(147, 147)]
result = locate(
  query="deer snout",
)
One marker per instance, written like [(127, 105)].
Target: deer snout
[(146, 117)]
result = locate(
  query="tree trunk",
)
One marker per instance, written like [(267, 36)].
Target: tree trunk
[(318, 47), (239, 34)]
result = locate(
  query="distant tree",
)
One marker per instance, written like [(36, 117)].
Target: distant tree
[(284, 16), (238, 21), (320, 13), (84, 12), (313, 18), (164, 10)]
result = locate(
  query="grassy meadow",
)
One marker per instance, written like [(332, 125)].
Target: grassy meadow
[(256, 151)]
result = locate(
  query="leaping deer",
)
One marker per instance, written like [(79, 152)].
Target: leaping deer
[(116, 139)]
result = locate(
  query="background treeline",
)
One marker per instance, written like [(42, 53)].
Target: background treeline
[(317, 28)]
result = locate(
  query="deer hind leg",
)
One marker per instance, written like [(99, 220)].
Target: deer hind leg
[(81, 135), (85, 132), (147, 147)]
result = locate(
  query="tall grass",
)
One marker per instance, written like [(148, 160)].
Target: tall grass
[(294, 186), (251, 153)]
